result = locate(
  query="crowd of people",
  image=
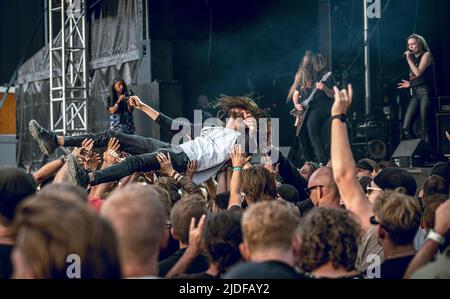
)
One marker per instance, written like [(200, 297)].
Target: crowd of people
[(204, 210)]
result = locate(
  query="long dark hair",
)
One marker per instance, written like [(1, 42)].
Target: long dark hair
[(113, 95), (311, 68)]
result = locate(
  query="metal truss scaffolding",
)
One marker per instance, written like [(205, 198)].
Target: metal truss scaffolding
[(68, 66)]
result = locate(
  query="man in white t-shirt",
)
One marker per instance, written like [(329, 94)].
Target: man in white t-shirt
[(211, 149)]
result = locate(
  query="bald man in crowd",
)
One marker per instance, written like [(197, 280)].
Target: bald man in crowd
[(322, 191)]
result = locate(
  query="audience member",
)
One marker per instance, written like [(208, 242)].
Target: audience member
[(15, 186), (138, 217)]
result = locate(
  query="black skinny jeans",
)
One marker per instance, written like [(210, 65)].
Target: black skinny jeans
[(144, 150), (314, 137), (420, 102)]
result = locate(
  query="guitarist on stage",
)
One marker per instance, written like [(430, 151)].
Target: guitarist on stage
[(313, 134)]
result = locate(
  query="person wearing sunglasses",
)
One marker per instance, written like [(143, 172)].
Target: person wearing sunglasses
[(322, 189)]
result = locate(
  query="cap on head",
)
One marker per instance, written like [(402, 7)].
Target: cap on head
[(366, 164), (392, 178)]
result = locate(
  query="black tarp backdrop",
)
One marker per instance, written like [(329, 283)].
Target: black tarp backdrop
[(235, 47), (115, 30)]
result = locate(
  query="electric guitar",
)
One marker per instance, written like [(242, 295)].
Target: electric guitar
[(301, 115)]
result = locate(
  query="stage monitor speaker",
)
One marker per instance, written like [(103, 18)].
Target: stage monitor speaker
[(410, 153), (444, 104), (442, 126), (416, 153)]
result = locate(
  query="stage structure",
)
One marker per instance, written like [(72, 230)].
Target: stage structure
[(101, 40), (68, 80)]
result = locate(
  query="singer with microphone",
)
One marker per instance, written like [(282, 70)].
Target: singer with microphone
[(421, 85), (121, 118)]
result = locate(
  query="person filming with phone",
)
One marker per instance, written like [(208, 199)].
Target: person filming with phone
[(121, 118)]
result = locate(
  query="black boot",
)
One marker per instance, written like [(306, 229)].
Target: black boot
[(425, 134), (407, 134), (46, 139)]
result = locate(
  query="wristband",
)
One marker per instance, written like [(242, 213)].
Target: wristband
[(178, 178), (342, 117), (432, 235), (237, 168)]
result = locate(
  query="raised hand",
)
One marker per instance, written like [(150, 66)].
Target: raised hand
[(342, 100), (191, 168), (110, 158), (77, 151), (238, 158), (273, 168), (195, 234), (165, 164), (447, 135), (135, 102), (111, 155), (88, 145), (92, 162), (250, 122), (113, 144), (408, 54)]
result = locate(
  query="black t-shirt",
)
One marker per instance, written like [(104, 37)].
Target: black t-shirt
[(395, 268), (5, 261), (264, 270), (200, 264), (171, 248)]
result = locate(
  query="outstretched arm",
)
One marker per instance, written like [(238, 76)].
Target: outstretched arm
[(167, 123), (238, 161), (48, 170), (290, 174), (136, 102), (344, 171)]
